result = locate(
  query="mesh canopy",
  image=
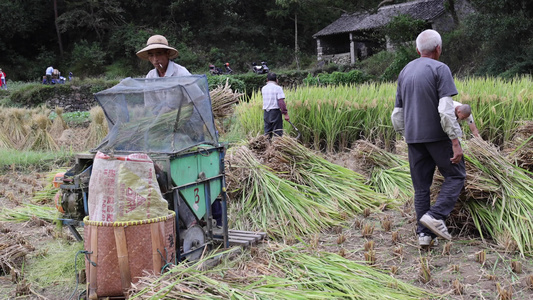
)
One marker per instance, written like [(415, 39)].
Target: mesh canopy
[(157, 115)]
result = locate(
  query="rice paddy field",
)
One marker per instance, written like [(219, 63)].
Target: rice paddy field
[(336, 203)]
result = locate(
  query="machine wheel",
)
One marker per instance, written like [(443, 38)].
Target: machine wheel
[(193, 238)]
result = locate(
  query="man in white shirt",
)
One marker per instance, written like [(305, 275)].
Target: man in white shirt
[(48, 74), (463, 112), (273, 106)]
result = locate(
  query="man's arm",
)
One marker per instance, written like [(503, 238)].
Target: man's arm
[(398, 122), (448, 120), (474, 130), (451, 127), (283, 107)]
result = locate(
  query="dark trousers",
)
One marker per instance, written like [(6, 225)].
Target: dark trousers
[(273, 122), (422, 161)]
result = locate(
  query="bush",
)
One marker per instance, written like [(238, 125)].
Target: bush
[(33, 94), (236, 84), (337, 78), (87, 59), (376, 64), (401, 58)]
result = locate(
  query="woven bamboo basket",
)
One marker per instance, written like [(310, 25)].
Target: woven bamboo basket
[(124, 251)]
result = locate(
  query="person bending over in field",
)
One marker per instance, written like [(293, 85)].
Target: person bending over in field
[(464, 112)]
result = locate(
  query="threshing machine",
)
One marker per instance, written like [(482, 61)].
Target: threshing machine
[(171, 120)]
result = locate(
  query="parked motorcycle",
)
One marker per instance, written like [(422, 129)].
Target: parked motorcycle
[(213, 70), (260, 69)]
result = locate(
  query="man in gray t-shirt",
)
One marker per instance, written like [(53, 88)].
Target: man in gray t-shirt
[(424, 113)]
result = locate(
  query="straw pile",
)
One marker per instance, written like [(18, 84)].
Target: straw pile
[(506, 214), (5, 142), (388, 173), (15, 124), (266, 202), (13, 250), (278, 272), (59, 124), (223, 101), (287, 190), (522, 145), (39, 138), (97, 128)]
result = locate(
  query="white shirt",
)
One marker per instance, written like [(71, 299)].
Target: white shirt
[(173, 69), (271, 93), (470, 119), (49, 71)]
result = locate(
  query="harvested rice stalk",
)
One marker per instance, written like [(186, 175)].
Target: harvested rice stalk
[(59, 124), (97, 128), (389, 173), (509, 212), (27, 212), (13, 249), (158, 128), (269, 203), (15, 125), (345, 186), (279, 272), (5, 142), (39, 138), (223, 101)]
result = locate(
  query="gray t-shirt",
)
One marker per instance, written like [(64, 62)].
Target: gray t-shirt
[(421, 84)]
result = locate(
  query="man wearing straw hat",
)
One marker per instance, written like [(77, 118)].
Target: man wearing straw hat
[(424, 113), (159, 53)]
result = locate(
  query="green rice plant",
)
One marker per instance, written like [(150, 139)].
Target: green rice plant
[(333, 117)]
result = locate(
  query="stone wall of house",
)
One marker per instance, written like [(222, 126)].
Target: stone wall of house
[(340, 59)]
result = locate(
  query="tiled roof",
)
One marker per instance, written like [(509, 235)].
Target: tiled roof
[(420, 10)]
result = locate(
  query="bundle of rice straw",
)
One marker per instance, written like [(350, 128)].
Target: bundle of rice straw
[(5, 142), (389, 173), (522, 144), (59, 124), (346, 187), (266, 202), (223, 101), (38, 137), (279, 272), (507, 214), (15, 125), (97, 128)]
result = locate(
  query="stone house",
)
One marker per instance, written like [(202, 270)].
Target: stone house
[(356, 36)]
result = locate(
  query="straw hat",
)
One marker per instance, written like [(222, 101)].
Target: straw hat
[(157, 42)]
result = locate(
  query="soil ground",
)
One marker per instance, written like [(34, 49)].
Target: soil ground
[(465, 268)]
